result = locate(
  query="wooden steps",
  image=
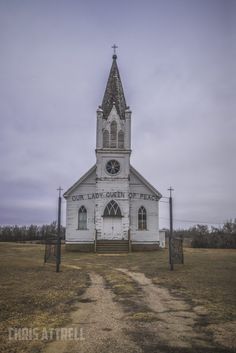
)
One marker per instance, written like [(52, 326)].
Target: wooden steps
[(112, 246)]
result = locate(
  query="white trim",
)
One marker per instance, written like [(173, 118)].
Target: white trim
[(145, 182), (78, 182)]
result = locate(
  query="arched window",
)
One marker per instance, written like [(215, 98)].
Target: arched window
[(113, 134), (112, 210), (106, 139), (142, 218), (120, 139), (82, 221)]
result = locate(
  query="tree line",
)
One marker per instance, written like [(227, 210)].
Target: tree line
[(29, 233), (202, 236), (198, 236)]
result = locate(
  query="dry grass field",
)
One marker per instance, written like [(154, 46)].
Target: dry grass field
[(124, 303)]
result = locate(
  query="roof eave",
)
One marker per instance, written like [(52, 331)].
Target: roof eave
[(78, 182), (154, 190)]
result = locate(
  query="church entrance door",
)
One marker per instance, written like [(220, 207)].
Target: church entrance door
[(112, 228), (112, 221)]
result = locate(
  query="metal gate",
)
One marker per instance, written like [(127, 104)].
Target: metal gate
[(177, 253), (50, 249)]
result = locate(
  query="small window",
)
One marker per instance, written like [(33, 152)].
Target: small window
[(142, 218), (82, 224), (113, 134), (113, 167), (106, 139), (120, 139)]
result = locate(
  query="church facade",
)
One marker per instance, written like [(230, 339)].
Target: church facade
[(112, 206)]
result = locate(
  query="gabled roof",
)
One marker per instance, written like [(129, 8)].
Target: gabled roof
[(145, 182), (93, 169), (114, 93), (78, 182)]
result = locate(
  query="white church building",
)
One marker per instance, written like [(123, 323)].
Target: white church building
[(112, 207)]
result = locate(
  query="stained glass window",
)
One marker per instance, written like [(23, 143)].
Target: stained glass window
[(142, 218), (82, 224), (112, 209)]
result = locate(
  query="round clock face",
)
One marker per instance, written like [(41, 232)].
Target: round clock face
[(113, 167)]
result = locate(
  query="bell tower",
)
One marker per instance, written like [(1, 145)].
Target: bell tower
[(113, 149)]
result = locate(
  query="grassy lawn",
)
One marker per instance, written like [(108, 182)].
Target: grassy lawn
[(34, 295)]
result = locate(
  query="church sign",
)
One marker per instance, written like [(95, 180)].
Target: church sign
[(114, 194)]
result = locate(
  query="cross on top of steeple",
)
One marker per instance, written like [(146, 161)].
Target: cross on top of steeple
[(114, 48)]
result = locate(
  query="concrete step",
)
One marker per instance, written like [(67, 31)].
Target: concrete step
[(112, 246)]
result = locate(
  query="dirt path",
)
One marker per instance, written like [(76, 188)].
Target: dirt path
[(102, 322), (155, 321), (176, 320)]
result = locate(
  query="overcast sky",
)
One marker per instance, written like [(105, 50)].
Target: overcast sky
[(177, 63)]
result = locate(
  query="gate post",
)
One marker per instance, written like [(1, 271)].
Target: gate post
[(58, 246), (95, 241), (129, 241), (171, 231)]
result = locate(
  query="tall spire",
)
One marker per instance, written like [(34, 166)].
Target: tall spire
[(114, 93)]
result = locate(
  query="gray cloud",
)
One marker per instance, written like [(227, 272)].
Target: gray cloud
[(177, 62)]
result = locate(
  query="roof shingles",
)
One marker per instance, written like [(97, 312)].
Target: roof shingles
[(114, 93)]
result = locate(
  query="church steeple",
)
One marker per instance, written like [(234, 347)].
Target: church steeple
[(113, 116), (114, 93)]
